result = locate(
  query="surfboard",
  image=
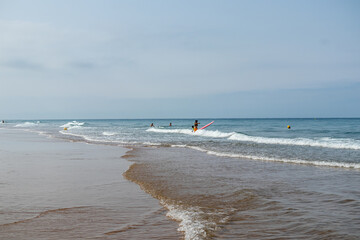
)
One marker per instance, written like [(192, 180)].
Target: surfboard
[(206, 125)]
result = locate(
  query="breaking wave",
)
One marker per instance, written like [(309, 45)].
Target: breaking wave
[(109, 133), (203, 133), (73, 124), (27, 124), (193, 222), (325, 142)]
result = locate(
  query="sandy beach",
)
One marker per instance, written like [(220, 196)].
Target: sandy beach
[(213, 120), (111, 179), (54, 189)]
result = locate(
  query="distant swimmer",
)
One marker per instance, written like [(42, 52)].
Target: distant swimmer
[(2, 121), (196, 125), (170, 125), (152, 125)]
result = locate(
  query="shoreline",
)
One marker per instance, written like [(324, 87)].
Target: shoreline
[(206, 196), (56, 189)]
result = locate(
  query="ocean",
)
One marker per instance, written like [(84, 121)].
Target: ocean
[(238, 178)]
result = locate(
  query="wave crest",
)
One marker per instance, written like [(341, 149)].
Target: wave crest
[(193, 221), (203, 133), (27, 124), (73, 124), (109, 133), (325, 142)]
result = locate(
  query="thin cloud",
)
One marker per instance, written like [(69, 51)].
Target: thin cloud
[(22, 64), (83, 65)]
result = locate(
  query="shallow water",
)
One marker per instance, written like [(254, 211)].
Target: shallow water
[(238, 179), (226, 198), (320, 142)]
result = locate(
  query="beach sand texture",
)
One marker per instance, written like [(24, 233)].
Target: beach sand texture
[(53, 189)]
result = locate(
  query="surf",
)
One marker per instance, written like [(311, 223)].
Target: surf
[(73, 124), (27, 124), (200, 132), (324, 142)]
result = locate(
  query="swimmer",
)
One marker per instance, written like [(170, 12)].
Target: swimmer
[(196, 124)]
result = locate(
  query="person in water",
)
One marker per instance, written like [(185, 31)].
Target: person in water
[(196, 125), (152, 125), (170, 125)]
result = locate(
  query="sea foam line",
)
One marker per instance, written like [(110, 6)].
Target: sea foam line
[(325, 142), (193, 221), (269, 159), (203, 133), (296, 161), (27, 124), (109, 133), (101, 140), (73, 124)]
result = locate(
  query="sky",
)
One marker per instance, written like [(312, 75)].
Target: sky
[(179, 59)]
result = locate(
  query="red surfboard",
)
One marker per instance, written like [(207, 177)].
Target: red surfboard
[(207, 125)]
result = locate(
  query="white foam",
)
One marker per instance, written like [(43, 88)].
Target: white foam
[(178, 145), (198, 148), (182, 131), (203, 133), (72, 125), (191, 221), (295, 161), (326, 142), (214, 134), (27, 124), (152, 144), (109, 133), (101, 140)]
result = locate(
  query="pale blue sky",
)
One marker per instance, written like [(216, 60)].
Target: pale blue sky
[(167, 59)]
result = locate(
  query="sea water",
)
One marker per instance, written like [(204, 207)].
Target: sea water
[(325, 142), (239, 178)]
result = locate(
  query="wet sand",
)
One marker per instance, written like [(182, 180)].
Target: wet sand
[(54, 189), (57, 189)]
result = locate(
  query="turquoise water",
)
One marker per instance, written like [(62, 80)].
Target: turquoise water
[(324, 142)]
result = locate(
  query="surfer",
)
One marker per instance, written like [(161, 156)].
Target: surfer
[(152, 125), (196, 124)]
